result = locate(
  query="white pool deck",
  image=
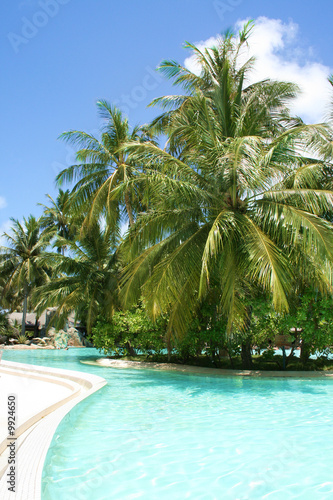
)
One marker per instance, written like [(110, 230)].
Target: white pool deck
[(43, 397)]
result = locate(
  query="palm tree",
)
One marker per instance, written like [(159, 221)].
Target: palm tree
[(103, 169), (86, 281), (58, 218), (256, 109), (22, 263), (233, 202)]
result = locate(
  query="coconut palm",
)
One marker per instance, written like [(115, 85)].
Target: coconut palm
[(57, 218), (256, 109), (86, 280), (102, 167), (22, 262), (235, 203)]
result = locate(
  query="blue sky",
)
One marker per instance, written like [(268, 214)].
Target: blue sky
[(58, 57)]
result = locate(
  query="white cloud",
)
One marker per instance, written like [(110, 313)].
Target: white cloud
[(3, 202), (190, 62), (279, 55)]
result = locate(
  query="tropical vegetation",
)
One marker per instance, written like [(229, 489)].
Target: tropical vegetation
[(210, 245), (23, 266)]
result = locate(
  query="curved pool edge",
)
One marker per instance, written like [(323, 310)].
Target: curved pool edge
[(34, 435), (197, 370)]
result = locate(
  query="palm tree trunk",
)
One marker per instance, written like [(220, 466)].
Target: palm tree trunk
[(305, 352), (168, 344), (129, 209), (36, 326), (246, 355), (230, 357), (25, 306), (130, 348)]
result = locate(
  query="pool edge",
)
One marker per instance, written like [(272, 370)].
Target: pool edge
[(38, 435)]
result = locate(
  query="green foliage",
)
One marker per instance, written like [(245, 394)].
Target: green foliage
[(314, 315), (6, 329), (4, 324), (58, 219), (85, 281), (266, 323), (238, 204), (106, 178), (129, 328), (311, 314), (22, 339), (234, 204), (206, 334), (268, 355), (205, 337), (22, 262)]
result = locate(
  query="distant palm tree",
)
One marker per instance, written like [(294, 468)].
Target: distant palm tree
[(86, 281), (22, 262), (58, 219), (104, 171), (234, 201)]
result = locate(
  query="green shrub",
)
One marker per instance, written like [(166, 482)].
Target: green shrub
[(129, 330), (4, 324), (22, 339)]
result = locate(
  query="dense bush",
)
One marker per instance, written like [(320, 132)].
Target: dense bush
[(132, 332), (6, 330), (129, 331)]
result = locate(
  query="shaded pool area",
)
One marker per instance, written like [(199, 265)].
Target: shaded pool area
[(166, 435)]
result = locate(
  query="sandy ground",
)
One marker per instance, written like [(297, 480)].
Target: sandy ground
[(119, 363), (23, 346), (34, 346)]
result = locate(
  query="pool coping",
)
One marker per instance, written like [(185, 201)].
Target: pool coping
[(115, 363), (35, 434)]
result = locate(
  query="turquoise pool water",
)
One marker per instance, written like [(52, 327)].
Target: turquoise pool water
[(164, 435)]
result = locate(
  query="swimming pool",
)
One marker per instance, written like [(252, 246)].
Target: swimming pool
[(162, 435)]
